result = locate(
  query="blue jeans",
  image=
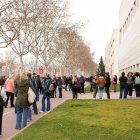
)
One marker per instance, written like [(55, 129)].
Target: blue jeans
[(46, 95), (100, 92), (30, 114), (19, 121), (123, 89), (35, 108), (60, 92), (36, 94)]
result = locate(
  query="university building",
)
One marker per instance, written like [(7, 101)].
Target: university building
[(111, 54), (125, 53)]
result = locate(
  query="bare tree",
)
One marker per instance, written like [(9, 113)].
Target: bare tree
[(11, 63), (53, 17), (75, 54), (19, 19)]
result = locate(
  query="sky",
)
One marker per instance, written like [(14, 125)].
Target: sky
[(99, 17)]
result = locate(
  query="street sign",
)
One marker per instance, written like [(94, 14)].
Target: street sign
[(41, 70)]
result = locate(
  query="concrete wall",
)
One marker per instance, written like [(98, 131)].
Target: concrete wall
[(111, 54), (129, 26)]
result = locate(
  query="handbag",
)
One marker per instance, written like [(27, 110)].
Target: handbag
[(31, 96), (51, 87)]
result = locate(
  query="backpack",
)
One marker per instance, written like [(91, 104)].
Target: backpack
[(46, 85), (78, 85), (137, 80)]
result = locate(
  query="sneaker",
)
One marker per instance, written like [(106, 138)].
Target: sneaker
[(41, 111)]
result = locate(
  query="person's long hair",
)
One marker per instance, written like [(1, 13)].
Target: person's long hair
[(23, 76)]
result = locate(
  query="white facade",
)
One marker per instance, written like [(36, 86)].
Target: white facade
[(111, 54), (107, 57), (123, 53), (129, 43)]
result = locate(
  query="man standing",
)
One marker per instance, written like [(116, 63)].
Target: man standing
[(46, 94), (123, 85), (107, 85), (82, 83)]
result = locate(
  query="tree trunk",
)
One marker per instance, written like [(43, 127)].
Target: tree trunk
[(36, 63), (21, 64)]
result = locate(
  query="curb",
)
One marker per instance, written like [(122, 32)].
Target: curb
[(44, 114)]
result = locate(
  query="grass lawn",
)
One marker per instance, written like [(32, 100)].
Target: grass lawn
[(88, 120)]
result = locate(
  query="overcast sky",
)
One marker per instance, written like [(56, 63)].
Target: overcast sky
[(100, 18)]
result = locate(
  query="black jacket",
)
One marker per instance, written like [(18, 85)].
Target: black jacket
[(123, 81), (108, 82)]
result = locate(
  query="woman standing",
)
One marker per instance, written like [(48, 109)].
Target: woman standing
[(129, 84), (9, 88), (74, 87), (114, 82), (22, 104), (101, 83)]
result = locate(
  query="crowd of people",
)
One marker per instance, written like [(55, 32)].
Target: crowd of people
[(127, 83), (16, 91)]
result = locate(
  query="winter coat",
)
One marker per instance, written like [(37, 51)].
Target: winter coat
[(100, 80), (108, 82), (123, 81), (22, 87), (9, 85)]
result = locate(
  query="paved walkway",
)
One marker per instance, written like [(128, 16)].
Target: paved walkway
[(9, 117)]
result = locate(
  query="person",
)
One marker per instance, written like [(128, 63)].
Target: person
[(114, 82), (101, 83), (82, 83), (123, 85), (2, 80), (94, 86), (9, 87), (74, 87), (30, 111), (22, 104), (39, 84), (107, 85), (54, 82), (78, 86), (46, 94), (129, 84), (137, 84), (91, 83), (60, 84), (34, 83), (66, 82), (3, 94)]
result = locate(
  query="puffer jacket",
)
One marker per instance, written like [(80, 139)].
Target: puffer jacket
[(22, 93)]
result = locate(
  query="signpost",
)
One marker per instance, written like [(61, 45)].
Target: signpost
[(41, 70)]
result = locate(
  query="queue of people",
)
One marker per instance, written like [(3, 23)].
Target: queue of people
[(14, 90), (16, 87), (127, 83)]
